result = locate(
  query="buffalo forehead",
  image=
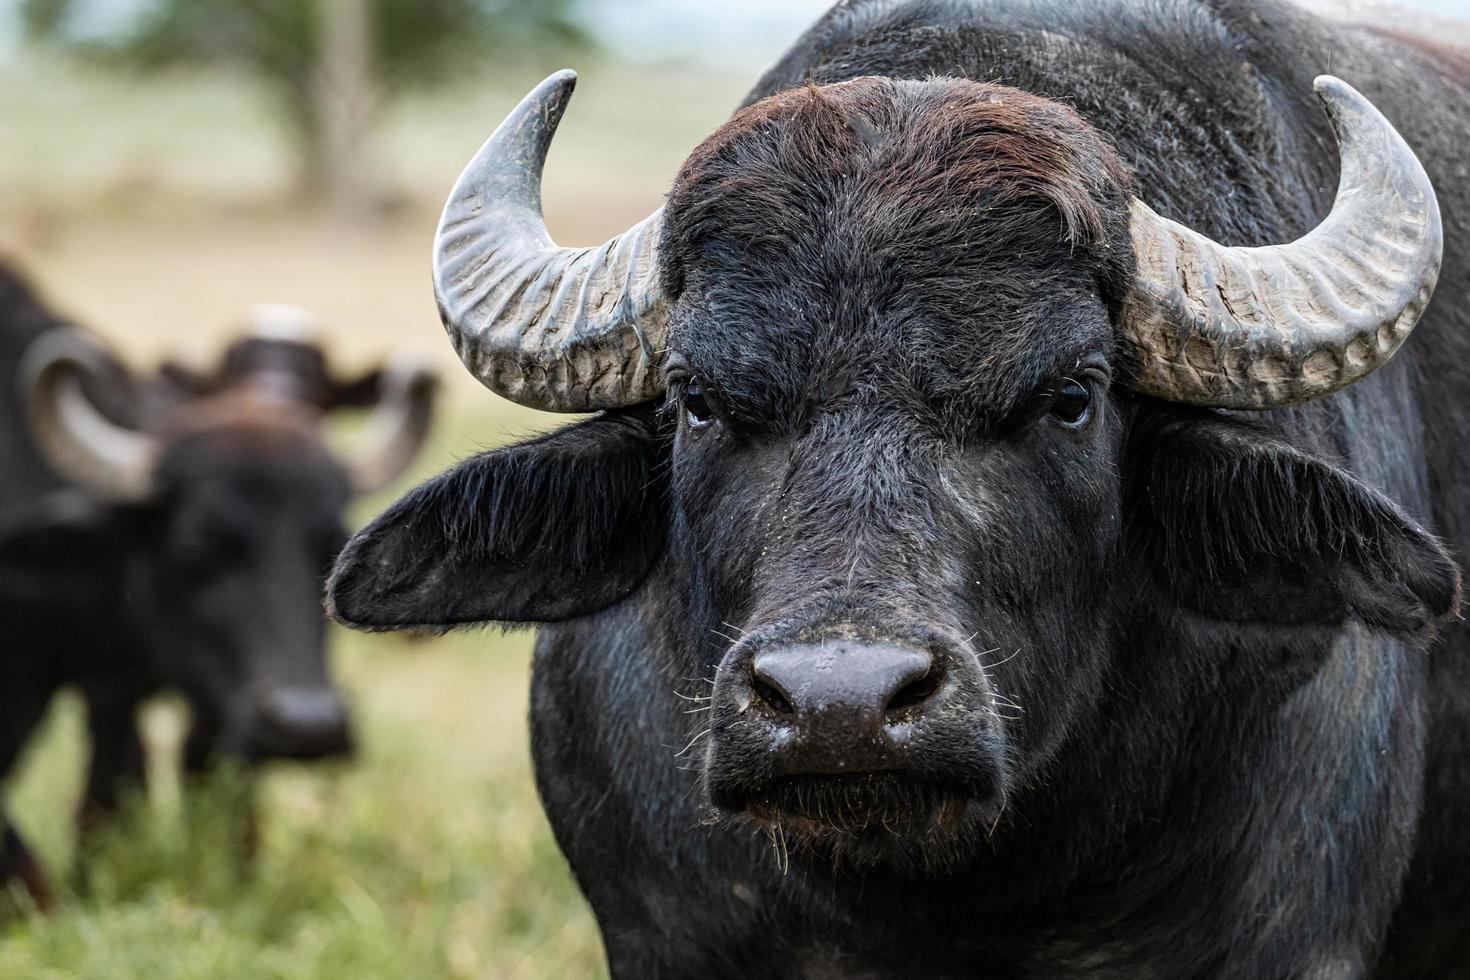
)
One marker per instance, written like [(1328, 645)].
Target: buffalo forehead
[(916, 240), (265, 465)]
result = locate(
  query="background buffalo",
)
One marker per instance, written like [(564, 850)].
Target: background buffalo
[(172, 533)]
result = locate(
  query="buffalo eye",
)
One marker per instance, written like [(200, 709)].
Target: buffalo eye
[(1071, 403), (697, 410), (201, 547)]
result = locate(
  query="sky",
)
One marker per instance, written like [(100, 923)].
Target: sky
[(734, 33)]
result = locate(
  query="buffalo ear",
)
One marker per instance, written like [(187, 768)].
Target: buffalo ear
[(359, 392), (64, 530), (1249, 529), (550, 529)]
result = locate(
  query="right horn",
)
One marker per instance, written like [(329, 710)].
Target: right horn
[(1257, 328), (79, 441), (397, 427), (561, 329)]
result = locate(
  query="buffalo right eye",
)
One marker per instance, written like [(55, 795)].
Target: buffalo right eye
[(1071, 402), (697, 411)]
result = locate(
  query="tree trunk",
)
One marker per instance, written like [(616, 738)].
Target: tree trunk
[(344, 98)]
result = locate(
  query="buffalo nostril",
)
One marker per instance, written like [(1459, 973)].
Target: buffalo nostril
[(771, 696), (914, 693)]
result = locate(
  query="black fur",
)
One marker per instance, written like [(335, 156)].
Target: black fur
[(1221, 751)]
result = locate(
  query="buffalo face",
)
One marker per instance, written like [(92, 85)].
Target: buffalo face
[(916, 608), (906, 501), (246, 525)]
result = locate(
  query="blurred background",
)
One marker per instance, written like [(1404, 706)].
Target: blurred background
[(164, 164)]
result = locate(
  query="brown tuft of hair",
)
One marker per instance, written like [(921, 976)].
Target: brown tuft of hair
[(928, 149)]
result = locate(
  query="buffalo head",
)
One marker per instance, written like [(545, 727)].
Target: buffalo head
[(936, 445)]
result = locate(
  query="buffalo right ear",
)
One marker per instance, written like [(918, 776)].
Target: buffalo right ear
[(1245, 528), (550, 529)]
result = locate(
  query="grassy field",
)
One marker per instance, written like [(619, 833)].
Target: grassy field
[(155, 210), (426, 857)]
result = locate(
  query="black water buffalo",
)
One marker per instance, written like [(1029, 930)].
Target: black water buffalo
[(173, 532), (977, 568)]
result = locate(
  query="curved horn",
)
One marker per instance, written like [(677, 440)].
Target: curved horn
[(561, 329), (395, 431), (76, 438), (1256, 328)]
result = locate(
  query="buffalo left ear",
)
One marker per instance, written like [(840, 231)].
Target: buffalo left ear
[(550, 529), (62, 530), (1249, 529)]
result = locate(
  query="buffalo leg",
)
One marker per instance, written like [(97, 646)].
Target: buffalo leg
[(119, 763), (116, 771), (18, 864), (23, 710)]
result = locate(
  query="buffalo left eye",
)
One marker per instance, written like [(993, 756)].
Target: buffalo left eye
[(696, 406), (1071, 403)]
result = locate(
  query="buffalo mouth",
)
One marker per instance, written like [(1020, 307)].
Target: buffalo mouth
[(261, 752), (887, 818)]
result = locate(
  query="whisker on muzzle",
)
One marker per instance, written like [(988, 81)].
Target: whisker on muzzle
[(693, 741)]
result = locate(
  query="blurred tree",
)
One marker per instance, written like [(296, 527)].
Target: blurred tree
[(330, 63)]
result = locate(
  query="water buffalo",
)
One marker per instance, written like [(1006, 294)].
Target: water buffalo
[(174, 532), (997, 554)]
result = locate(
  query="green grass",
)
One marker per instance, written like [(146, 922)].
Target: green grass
[(427, 856)]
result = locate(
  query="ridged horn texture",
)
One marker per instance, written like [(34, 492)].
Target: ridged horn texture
[(77, 439), (1257, 328), (561, 329), (395, 431)]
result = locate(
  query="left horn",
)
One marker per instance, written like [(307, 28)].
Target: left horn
[(1256, 328), (561, 329), (78, 440), (395, 431)]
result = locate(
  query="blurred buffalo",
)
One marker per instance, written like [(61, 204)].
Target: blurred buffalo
[(172, 532)]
